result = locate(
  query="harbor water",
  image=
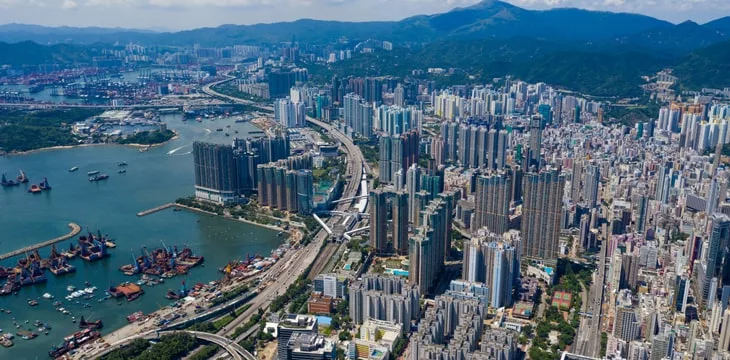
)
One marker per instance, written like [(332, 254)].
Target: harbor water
[(153, 178)]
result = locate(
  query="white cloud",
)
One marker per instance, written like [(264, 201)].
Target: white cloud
[(69, 4)]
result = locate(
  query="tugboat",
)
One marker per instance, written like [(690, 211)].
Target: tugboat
[(8, 183), (22, 178), (35, 189), (45, 185)]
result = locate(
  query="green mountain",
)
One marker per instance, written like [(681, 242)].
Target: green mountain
[(706, 67), (30, 53), (580, 68)]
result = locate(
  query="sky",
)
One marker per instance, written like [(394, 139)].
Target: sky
[(188, 14)]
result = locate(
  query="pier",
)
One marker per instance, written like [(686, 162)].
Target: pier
[(154, 210), (75, 230)]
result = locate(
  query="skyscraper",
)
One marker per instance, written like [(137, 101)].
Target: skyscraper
[(493, 195), (216, 172), (427, 249), (626, 327), (378, 220), (413, 186), (536, 126), (397, 153), (718, 241), (590, 186), (290, 114), (546, 112), (358, 115), (489, 260), (400, 222), (541, 213)]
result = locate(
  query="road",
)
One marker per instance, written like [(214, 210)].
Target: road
[(589, 332)]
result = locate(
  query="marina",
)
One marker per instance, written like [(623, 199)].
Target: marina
[(111, 206)]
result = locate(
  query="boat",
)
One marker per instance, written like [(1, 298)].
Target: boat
[(4, 341), (47, 296), (57, 303), (22, 178), (70, 288), (33, 302), (99, 177), (8, 183), (219, 129), (122, 171), (93, 325), (90, 173), (73, 342), (73, 169), (134, 317), (35, 189), (26, 335), (122, 164), (45, 185)]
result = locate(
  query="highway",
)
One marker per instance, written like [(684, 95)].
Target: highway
[(589, 332), (286, 271)]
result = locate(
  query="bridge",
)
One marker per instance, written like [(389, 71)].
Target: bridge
[(349, 199), (75, 230), (236, 351)]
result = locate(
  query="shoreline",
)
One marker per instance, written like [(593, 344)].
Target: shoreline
[(66, 147), (270, 227)]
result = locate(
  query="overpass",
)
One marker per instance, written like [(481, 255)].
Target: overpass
[(236, 351)]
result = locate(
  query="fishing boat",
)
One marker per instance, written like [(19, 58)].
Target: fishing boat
[(91, 173), (44, 185), (35, 189), (122, 163), (122, 171), (22, 178), (8, 183), (93, 325), (99, 177), (73, 169)]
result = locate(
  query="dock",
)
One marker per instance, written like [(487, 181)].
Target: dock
[(154, 210), (75, 230)]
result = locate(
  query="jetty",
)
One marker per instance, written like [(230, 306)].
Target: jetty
[(75, 230), (154, 210)]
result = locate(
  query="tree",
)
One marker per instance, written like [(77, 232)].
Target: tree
[(345, 335)]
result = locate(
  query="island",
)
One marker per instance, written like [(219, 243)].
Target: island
[(32, 129)]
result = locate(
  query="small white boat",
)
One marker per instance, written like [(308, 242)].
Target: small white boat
[(73, 169), (70, 288), (47, 296)]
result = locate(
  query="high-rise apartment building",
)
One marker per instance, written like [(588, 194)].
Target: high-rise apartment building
[(541, 213), (536, 127), (388, 298), (216, 172), (397, 153), (493, 196)]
